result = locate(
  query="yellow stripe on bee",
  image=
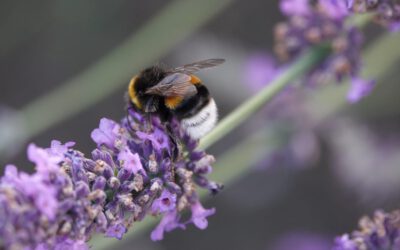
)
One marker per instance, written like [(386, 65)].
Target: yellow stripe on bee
[(132, 93), (194, 79), (173, 101)]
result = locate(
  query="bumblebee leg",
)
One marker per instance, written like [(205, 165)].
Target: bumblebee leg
[(149, 124), (173, 140)]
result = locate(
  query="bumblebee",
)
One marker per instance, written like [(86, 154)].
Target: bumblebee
[(176, 92)]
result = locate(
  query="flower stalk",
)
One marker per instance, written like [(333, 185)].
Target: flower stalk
[(244, 111)]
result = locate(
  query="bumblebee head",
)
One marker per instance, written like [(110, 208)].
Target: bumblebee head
[(140, 83)]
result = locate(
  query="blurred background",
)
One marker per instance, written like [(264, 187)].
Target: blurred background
[(315, 164)]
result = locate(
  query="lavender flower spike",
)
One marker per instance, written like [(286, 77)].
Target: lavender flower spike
[(387, 12), (359, 89), (380, 232), (312, 23), (136, 170)]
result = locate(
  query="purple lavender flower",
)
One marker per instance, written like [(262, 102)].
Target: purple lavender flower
[(200, 214), (348, 140), (132, 173), (359, 88), (387, 12), (322, 22), (165, 203), (116, 231), (260, 69), (169, 222), (295, 7), (380, 232), (344, 243)]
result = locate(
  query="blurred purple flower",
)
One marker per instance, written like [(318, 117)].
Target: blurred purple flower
[(300, 150), (302, 241), (116, 231), (59, 149), (45, 161), (106, 133), (394, 27), (66, 244), (380, 232), (130, 174), (358, 152), (344, 243), (323, 22), (295, 7), (387, 12), (260, 69), (336, 9), (359, 88)]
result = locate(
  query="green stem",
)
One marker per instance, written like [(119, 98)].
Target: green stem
[(244, 111)]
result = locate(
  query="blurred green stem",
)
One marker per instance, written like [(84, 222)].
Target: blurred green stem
[(245, 110)]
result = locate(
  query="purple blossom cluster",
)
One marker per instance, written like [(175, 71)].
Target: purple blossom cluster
[(380, 232), (387, 12), (139, 168), (311, 23)]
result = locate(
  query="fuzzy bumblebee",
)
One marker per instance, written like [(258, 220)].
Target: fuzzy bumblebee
[(176, 92)]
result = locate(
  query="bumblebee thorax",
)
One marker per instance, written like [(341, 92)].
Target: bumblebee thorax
[(148, 78)]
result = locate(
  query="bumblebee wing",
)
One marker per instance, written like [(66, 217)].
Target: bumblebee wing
[(176, 84), (196, 66)]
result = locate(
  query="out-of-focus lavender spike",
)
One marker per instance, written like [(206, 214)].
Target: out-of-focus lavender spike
[(130, 174), (379, 232), (323, 22), (260, 70), (387, 12), (359, 88), (295, 7)]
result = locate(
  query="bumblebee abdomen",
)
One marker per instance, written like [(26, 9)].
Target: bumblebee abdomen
[(203, 121), (193, 105), (198, 114)]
